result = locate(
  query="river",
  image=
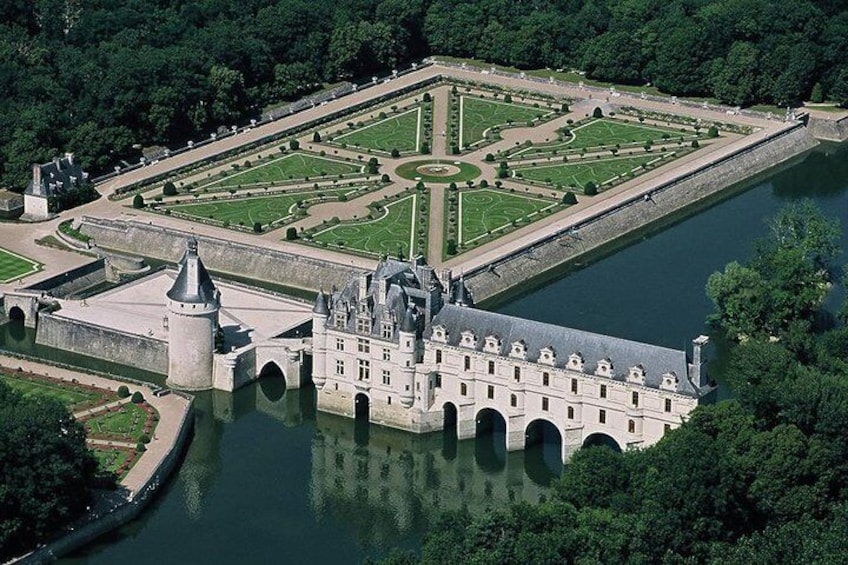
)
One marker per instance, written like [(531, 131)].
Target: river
[(267, 479)]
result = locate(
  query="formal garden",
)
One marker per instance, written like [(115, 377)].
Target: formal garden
[(14, 266)]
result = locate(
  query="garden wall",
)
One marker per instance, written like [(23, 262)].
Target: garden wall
[(531, 261), (74, 280), (220, 255), (829, 129)]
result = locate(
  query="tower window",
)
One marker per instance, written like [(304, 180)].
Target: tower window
[(387, 377), (339, 344), (364, 369), (631, 426), (340, 367), (363, 345), (387, 354), (387, 331)]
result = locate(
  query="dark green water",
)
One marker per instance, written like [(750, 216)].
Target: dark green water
[(266, 479)]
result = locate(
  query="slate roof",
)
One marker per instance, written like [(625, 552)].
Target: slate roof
[(321, 305), (623, 353), (193, 284), (56, 177)]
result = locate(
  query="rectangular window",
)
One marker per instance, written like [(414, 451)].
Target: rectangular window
[(438, 356), (546, 379), (387, 354), (491, 367), (631, 427), (463, 389), (517, 374), (570, 413), (603, 391), (364, 369), (602, 416), (668, 405), (363, 345), (340, 321), (634, 398), (574, 386), (545, 404), (339, 344), (513, 400), (387, 331), (389, 400), (339, 367), (467, 363), (438, 380), (387, 377), (490, 392), (363, 325)]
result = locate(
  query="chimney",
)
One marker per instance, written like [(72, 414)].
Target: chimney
[(447, 275), (364, 282), (69, 157), (382, 290), (36, 175), (698, 373)]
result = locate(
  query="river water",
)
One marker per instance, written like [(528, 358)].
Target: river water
[(267, 479)]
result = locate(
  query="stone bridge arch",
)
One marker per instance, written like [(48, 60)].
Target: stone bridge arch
[(288, 360), (598, 438), (543, 450), (22, 305)]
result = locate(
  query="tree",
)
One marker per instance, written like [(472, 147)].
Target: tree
[(839, 90), (138, 201), (569, 198), (451, 247), (395, 153), (291, 234), (733, 79), (425, 148), (46, 468), (257, 227), (817, 94), (372, 166), (294, 144), (228, 93), (169, 189), (590, 189)]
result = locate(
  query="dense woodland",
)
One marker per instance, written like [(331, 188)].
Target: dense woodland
[(759, 479), (98, 77)]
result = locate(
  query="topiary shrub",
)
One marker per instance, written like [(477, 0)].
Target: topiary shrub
[(597, 113), (489, 158), (144, 438), (291, 234), (427, 97), (123, 391), (569, 198), (712, 132), (395, 153), (257, 227), (138, 201), (590, 189), (385, 178), (140, 447), (294, 145), (137, 397), (316, 137), (169, 189)]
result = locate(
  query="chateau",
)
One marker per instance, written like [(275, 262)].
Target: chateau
[(57, 180), (411, 350)]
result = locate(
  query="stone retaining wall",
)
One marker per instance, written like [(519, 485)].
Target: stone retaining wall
[(829, 130), (104, 343), (220, 255), (533, 260), (72, 281)]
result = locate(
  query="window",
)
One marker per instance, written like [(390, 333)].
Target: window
[(490, 392), (340, 320), (545, 404), (666, 427), (603, 391), (546, 379), (602, 416), (491, 367), (574, 386), (467, 363), (438, 380), (364, 369), (387, 331), (339, 367), (438, 356), (668, 405), (363, 345), (387, 377), (634, 398), (387, 354), (363, 325), (463, 389), (517, 373), (631, 427), (389, 400), (570, 413), (513, 400), (339, 344)]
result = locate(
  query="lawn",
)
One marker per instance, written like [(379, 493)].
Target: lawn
[(465, 171), (75, 398), (111, 459), (14, 266), (577, 174), (401, 132), (126, 423), (246, 211), (394, 228), (288, 167), (604, 132), (484, 211), (477, 116)]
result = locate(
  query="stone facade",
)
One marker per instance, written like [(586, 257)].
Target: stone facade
[(416, 353), (58, 177)]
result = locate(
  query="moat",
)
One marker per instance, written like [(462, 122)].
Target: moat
[(267, 478)]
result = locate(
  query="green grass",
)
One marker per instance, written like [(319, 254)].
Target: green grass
[(395, 226), (578, 174), (14, 266), (75, 398), (483, 211), (288, 167), (110, 459), (467, 171), (248, 210), (402, 132), (604, 132), (478, 115), (127, 423)]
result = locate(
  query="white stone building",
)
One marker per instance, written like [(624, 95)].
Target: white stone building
[(59, 177), (416, 357)]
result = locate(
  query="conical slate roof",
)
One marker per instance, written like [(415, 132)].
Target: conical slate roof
[(461, 295), (321, 305), (193, 284), (408, 324)]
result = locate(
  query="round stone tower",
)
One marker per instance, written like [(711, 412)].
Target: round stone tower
[(320, 313), (406, 356), (193, 304)]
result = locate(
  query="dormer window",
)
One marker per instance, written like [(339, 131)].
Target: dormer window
[(363, 325), (636, 375), (440, 333), (547, 356), (388, 330), (469, 339), (519, 350), (669, 381), (575, 361), (492, 345), (340, 320), (605, 368)]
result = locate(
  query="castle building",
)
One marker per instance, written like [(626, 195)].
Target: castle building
[(53, 182), (414, 351)]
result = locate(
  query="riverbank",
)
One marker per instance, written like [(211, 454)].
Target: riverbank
[(114, 508)]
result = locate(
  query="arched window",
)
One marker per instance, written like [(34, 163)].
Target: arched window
[(631, 426)]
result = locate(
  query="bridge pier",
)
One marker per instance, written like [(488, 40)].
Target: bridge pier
[(515, 433), (572, 440)]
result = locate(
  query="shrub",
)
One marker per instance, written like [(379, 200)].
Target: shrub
[(169, 189), (140, 447), (123, 391), (291, 234), (294, 144), (257, 227), (144, 438), (425, 148), (489, 158), (695, 144), (564, 108), (385, 178), (454, 149), (507, 98), (817, 96), (342, 197), (426, 97), (138, 201), (484, 183), (712, 132), (316, 137), (590, 189), (395, 153), (137, 397), (568, 199), (451, 247)]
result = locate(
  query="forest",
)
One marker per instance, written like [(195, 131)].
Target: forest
[(762, 478), (103, 79)]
